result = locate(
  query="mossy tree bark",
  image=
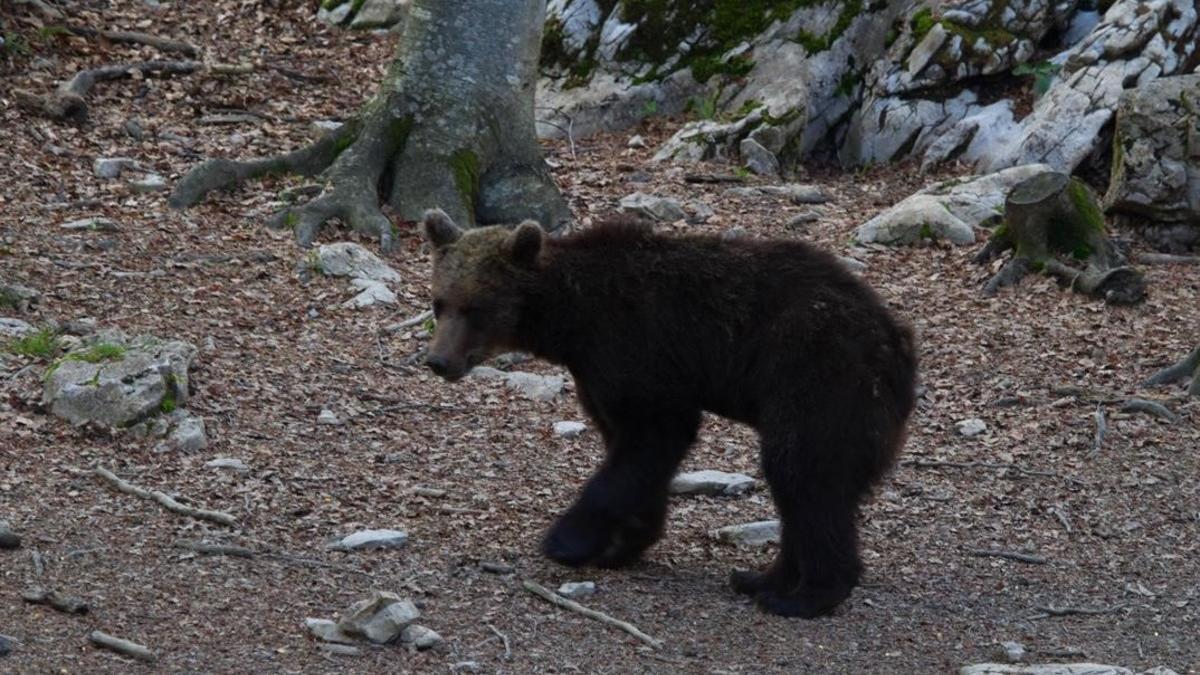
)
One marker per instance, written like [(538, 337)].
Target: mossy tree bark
[(451, 127), (1051, 216)]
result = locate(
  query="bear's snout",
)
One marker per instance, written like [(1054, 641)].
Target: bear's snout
[(442, 367)]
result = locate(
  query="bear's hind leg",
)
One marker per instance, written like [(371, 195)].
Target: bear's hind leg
[(621, 511), (817, 565)]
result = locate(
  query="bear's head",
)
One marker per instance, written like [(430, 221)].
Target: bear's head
[(478, 278)]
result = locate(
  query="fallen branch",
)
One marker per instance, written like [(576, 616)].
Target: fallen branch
[(503, 639), (215, 549), (1010, 555), (48, 13), (1153, 408), (159, 43), (165, 500), (1051, 610), (116, 644), (555, 599), (1101, 427)]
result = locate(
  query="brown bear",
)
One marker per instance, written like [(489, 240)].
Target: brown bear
[(656, 329)]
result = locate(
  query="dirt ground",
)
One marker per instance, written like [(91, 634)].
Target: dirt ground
[(1117, 528)]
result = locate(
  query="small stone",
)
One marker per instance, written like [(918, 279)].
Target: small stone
[(230, 463), (701, 213), (420, 637), (650, 206), (82, 326), (18, 297), (1010, 652), (327, 417), (371, 293), (797, 193), (95, 224), (577, 589), (189, 434), (134, 129), (971, 427), (6, 644), (346, 259), (735, 233), (326, 630), (371, 539), (8, 538), (339, 649), (111, 167), (856, 266), (535, 387), (798, 221), (148, 183), (569, 429), (750, 534), (636, 141), (379, 618), (758, 159), (497, 567), (710, 482)]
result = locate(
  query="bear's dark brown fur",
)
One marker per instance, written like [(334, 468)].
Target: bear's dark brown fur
[(656, 329)]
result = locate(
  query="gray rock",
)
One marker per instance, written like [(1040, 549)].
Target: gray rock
[(94, 224), (15, 328), (230, 463), (1043, 669), (346, 259), (7, 644), (148, 183), (757, 158), (339, 649), (1156, 177), (750, 534), (81, 326), (379, 14), (336, 16), (856, 266), (949, 210), (577, 589), (530, 385), (711, 482), (1011, 652), (8, 538), (371, 539), (496, 567), (733, 233), (188, 433), (111, 167), (327, 418), (420, 637), (701, 212), (18, 297), (569, 429), (327, 631), (971, 427), (800, 220), (379, 618), (118, 383), (371, 293), (650, 206), (636, 141)]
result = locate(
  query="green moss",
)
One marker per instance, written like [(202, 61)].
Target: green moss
[(848, 83), (922, 22), (1085, 204), (554, 45), (39, 345), (97, 353), (747, 107), (291, 220), (465, 165), (398, 132), (331, 4), (926, 231), (169, 402), (814, 43)]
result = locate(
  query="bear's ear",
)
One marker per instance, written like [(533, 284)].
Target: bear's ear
[(525, 243), (438, 229)]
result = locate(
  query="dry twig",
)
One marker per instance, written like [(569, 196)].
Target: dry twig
[(503, 639), (160, 43), (937, 464), (1010, 555), (555, 599), (131, 649), (165, 500), (1051, 610), (1101, 427)]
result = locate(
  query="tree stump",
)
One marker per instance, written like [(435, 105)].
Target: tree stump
[(1051, 216)]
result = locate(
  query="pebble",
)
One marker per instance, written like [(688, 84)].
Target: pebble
[(111, 167), (710, 482), (497, 567), (971, 427), (6, 644), (94, 224), (328, 418), (568, 429), (227, 463), (371, 539), (189, 435), (326, 630), (380, 618), (149, 183), (8, 538), (1011, 652), (577, 589)]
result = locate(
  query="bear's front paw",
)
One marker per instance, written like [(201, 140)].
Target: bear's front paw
[(574, 543), (806, 603)]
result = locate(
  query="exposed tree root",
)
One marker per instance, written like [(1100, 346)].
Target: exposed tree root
[(167, 502), (1052, 215), (556, 599), (69, 100), (160, 43), (1188, 367), (116, 644)]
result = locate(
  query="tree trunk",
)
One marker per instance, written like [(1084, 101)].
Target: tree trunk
[(1050, 215), (451, 127)]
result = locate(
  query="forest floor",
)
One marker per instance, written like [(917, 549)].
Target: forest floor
[(1118, 528)]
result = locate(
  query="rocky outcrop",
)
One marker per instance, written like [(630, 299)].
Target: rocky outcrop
[(1156, 156)]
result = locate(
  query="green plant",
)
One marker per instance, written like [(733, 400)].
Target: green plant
[(1043, 74), (649, 108), (39, 345)]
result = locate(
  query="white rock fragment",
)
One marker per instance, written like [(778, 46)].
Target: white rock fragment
[(328, 418), (230, 463), (577, 589), (971, 427), (420, 637), (750, 534), (371, 539), (568, 429), (326, 630), (709, 482)]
